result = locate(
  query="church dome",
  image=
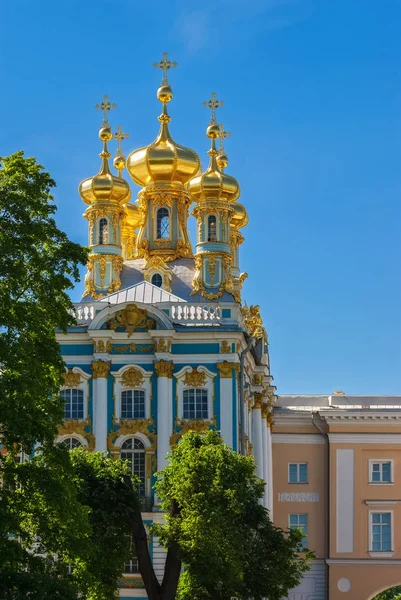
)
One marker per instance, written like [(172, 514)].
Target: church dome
[(134, 216), (214, 183), (104, 185), (239, 216), (163, 160)]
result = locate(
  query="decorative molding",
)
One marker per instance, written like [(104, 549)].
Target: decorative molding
[(298, 497), (298, 438), (381, 502), (72, 379), (257, 400), (347, 562), (162, 345), (100, 368), (365, 438), (75, 426), (195, 378), (225, 347), (226, 369), (131, 318), (164, 368), (132, 378)]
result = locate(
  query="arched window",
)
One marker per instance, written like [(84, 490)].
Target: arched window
[(103, 232), (211, 229), (74, 403), (195, 404), (157, 280), (163, 224), (72, 443), (133, 404), (133, 451)]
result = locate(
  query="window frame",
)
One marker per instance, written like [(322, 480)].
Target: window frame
[(69, 438), (73, 389), (157, 274), (209, 237), (168, 216), (209, 385), (381, 553), (133, 390), (305, 540), (103, 221), (132, 451), (200, 400), (298, 464), (119, 387), (381, 461)]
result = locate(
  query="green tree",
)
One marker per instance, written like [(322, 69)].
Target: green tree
[(38, 264), (393, 593), (217, 530)]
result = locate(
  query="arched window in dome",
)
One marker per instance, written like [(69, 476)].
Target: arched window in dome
[(103, 231), (157, 280), (211, 229), (133, 451), (163, 224), (72, 443), (195, 404)]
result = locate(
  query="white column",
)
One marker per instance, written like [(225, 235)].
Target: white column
[(100, 370), (226, 403), (164, 371), (269, 463), (257, 435), (265, 461)]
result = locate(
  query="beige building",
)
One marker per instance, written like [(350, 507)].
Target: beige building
[(337, 476)]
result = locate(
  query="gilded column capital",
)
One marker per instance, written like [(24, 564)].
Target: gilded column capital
[(164, 368), (226, 369), (257, 400), (100, 369)]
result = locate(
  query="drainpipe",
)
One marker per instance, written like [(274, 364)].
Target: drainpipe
[(327, 488), (241, 393)]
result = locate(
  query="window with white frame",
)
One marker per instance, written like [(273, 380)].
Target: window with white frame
[(380, 471), (71, 443), (300, 521), (297, 472), (133, 404), (380, 531), (133, 451), (131, 565), (73, 403), (195, 404)]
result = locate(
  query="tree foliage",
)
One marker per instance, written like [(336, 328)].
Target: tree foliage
[(393, 593), (217, 529), (38, 264)]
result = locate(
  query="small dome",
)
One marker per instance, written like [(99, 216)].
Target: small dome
[(134, 215), (239, 217), (104, 185), (163, 160)]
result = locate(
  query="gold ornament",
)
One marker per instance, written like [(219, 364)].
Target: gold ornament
[(132, 378), (131, 427), (225, 347), (253, 320), (131, 318), (197, 425), (195, 378), (162, 345), (164, 368), (71, 379), (71, 426), (226, 369), (257, 400), (100, 369)]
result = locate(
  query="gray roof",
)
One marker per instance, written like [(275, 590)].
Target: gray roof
[(183, 270), (142, 292)]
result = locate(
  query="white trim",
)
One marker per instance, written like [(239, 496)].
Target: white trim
[(118, 388), (298, 438), (365, 438), (346, 562), (78, 436), (123, 438), (373, 461), (380, 502), (208, 385), (385, 553)]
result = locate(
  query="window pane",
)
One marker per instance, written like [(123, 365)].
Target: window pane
[(162, 223), (293, 520), (303, 473), (293, 471), (386, 472), (376, 518), (386, 518), (375, 467), (195, 404), (303, 519), (375, 476)]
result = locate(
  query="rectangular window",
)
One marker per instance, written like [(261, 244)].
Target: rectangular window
[(133, 404), (131, 565), (380, 533), (381, 471), (74, 403), (195, 404), (297, 472), (300, 521)]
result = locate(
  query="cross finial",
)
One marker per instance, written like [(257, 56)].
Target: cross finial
[(213, 104), (222, 136), (105, 106), (120, 136), (165, 65)]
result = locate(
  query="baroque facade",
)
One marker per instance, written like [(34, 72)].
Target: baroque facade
[(164, 343)]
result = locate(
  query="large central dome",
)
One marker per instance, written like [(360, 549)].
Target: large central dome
[(163, 160)]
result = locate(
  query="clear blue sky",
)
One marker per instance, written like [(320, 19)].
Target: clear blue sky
[(312, 92)]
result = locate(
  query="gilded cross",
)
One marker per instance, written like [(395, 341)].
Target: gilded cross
[(165, 65), (105, 106), (222, 136), (120, 136), (213, 104)]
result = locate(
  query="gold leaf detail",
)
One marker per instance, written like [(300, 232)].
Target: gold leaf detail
[(132, 378), (195, 378)]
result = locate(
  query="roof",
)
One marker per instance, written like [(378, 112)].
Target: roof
[(144, 292)]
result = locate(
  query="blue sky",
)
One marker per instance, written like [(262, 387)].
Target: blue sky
[(312, 92)]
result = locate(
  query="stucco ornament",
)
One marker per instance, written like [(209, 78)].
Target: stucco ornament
[(72, 379), (226, 369), (195, 379), (132, 378), (100, 368), (130, 319), (164, 368)]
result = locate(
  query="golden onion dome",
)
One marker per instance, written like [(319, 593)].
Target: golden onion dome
[(163, 160), (133, 216), (239, 216), (105, 185), (214, 183)]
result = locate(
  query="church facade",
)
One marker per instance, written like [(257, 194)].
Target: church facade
[(164, 343)]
